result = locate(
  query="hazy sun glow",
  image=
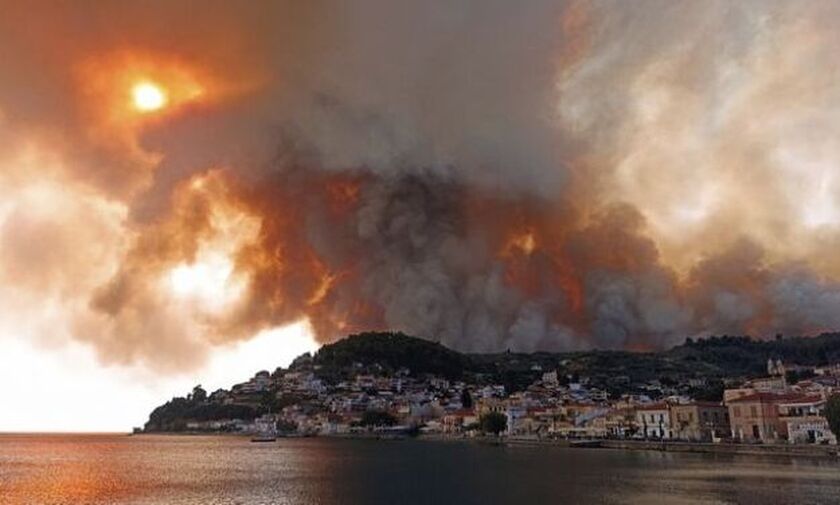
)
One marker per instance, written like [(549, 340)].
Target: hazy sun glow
[(148, 96)]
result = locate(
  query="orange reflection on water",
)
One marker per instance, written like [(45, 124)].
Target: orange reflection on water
[(64, 469)]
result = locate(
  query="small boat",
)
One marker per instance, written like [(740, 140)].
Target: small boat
[(265, 436)]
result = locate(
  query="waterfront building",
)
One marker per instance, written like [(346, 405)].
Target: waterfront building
[(517, 420), (700, 421), (654, 421), (621, 423), (755, 417), (805, 420)]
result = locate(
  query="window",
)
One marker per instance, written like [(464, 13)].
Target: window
[(736, 411), (753, 411)]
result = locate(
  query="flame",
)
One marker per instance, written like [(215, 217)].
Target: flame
[(322, 290), (522, 242)]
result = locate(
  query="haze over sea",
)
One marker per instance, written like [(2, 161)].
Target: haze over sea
[(193, 470)]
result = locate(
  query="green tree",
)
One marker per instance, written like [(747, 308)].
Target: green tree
[(199, 394), (794, 376), (832, 414), (493, 422), (711, 392), (378, 418), (269, 403), (286, 426), (466, 399)]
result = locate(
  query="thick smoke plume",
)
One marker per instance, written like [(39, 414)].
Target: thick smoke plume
[(547, 175)]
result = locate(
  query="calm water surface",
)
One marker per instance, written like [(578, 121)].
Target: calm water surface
[(114, 469)]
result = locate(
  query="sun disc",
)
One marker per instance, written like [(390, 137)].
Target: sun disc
[(148, 96)]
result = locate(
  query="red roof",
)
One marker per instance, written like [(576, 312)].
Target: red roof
[(770, 398), (700, 403), (653, 406), (805, 399)]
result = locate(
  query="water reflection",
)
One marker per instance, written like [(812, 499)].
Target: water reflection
[(107, 469)]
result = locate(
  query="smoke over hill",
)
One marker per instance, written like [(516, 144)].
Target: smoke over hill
[(553, 175)]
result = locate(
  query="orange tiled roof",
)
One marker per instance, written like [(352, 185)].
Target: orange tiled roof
[(701, 403), (771, 398), (653, 406)]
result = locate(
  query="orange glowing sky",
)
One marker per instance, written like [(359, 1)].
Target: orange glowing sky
[(66, 198), (193, 191)]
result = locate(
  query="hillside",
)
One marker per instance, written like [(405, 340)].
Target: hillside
[(391, 352), (697, 368), (742, 355), (710, 360)]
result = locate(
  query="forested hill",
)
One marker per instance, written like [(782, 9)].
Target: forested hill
[(737, 355), (709, 358), (391, 351)]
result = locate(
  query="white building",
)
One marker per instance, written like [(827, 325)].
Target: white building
[(654, 421), (806, 422)]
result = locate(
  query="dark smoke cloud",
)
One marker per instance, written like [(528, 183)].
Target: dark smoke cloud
[(546, 175)]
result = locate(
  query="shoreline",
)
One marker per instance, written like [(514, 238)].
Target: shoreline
[(787, 450)]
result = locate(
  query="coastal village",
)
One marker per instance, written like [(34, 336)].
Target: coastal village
[(772, 409)]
